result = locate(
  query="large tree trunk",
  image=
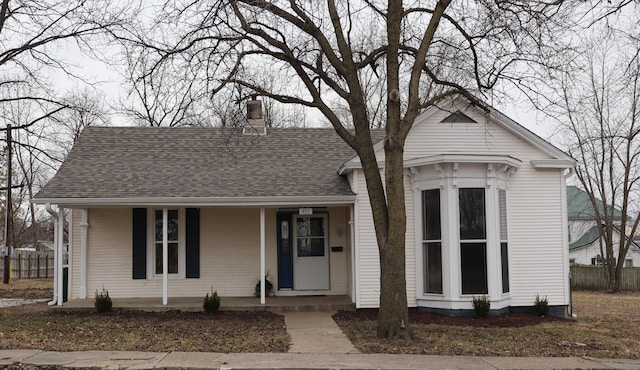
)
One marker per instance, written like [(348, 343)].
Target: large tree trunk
[(393, 319)]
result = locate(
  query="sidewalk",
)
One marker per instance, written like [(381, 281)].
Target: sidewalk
[(173, 360)]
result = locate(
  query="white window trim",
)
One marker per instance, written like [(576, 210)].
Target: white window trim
[(151, 250)]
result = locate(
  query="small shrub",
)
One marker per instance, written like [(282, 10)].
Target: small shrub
[(102, 301), (541, 306), (211, 302), (481, 306)]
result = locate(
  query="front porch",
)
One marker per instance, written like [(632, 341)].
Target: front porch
[(194, 304)]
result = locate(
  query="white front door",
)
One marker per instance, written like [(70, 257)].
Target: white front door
[(311, 258)]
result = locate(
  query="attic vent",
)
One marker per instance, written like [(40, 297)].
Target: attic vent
[(458, 117), (255, 122)]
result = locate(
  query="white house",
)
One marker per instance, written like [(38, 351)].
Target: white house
[(170, 212), (584, 237)]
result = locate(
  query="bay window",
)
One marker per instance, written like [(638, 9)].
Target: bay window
[(462, 231)]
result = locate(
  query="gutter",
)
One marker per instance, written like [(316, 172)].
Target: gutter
[(55, 253)]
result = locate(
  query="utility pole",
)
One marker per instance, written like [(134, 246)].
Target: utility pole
[(7, 211)]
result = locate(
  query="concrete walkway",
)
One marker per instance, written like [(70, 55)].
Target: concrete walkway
[(174, 360), (316, 332)]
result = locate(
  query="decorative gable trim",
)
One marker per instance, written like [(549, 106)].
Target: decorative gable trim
[(458, 117)]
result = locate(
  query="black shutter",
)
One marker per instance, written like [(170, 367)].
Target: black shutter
[(139, 243), (192, 242)]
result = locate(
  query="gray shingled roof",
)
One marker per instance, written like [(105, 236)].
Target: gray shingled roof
[(145, 162)]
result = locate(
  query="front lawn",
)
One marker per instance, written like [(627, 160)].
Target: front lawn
[(607, 326)]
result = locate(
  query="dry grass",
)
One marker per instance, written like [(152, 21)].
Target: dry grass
[(607, 326), (27, 288)]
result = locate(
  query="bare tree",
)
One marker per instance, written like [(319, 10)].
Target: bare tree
[(330, 56), (598, 107), (35, 38)]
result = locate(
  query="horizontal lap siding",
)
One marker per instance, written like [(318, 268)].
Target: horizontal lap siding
[(109, 254), (536, 237), (368, 285), (229, 252), (367, 249), (230, 249)]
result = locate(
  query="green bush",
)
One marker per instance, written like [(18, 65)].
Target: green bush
[(102, 301), (211, 302), (541, 306), (481, 306)]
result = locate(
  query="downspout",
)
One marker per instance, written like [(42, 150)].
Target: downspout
[(570, 308), (54, 215)]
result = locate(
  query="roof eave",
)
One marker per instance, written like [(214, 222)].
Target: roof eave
[(261, 201), (553, 163)]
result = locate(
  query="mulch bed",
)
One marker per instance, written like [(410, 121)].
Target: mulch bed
[(508, 320)]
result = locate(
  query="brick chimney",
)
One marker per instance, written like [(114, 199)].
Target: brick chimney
[(255, 122)]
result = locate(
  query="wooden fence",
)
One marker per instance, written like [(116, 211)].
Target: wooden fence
[(593, 278), (30, 265)]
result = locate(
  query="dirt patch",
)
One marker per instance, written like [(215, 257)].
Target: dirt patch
[(230, 331), (509, 320)]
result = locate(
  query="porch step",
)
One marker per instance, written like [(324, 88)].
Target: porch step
[(194, 304), (292, 308)]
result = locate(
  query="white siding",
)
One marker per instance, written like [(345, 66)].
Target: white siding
[(368, 262), (367, 249), (229, 254), (536, 228), (536, 237)]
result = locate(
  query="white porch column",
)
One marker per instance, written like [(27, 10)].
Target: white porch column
[(54, 216), (84, 225), (60, 252), (165, 258), (262, 257)]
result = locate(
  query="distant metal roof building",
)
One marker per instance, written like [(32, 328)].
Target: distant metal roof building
[(579, 206)]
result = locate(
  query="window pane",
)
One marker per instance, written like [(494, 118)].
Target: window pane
[(433, 267), (173, 257), (172, 254), (505, 267), (472, 217), (310, 226), (159, 225), (431, 214), (502, 208), (310, 247), (172, 225), (474, 268)]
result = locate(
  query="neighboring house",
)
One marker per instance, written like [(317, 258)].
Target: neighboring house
[(584, 237), (485, 200)]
